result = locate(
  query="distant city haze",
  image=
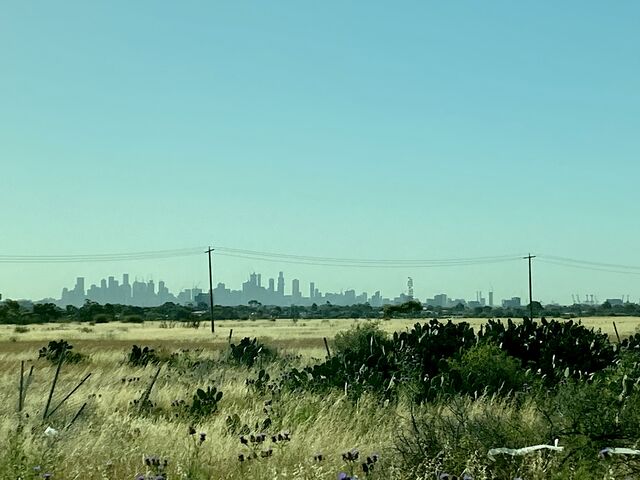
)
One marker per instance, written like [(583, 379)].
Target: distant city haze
[(144, 294), (275, 291), (153, 282)]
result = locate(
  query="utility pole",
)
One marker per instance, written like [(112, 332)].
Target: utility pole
[(529, 257), (213, 326)]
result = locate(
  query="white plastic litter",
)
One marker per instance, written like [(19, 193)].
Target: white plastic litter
[(618, 451), (523, 451), (50, 432)]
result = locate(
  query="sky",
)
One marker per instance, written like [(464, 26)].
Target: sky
[(334, 129)]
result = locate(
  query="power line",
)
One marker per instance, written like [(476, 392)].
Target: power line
[(260, 256), (591, 263), (361, 260), (101, 257), (361, 263), (586, 267), (345, 262)]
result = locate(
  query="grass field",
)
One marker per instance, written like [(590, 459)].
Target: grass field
[(110, 438), (305, 335)]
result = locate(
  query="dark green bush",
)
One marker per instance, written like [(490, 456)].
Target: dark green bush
[(102, 318), (249, 351), (260, 384), (552, 348), (365, 360), (141, 357), (205, 402), (55, 349)]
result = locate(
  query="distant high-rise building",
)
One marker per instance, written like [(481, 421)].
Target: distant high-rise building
[(312, 290), (438, 300), (491, 299), (515, 302), (281, 283), (295, 288), (272, 285), (79, 285), (259, 280), (350, 297), (126, 289), (184, 297), (164, 295)]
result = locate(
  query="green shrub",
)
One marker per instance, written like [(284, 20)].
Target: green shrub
[(21, 329), (485, 369), (360, 340)]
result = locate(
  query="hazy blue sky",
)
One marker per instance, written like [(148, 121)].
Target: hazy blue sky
[(344, 129)]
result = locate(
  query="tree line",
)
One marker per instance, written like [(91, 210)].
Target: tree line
[(14, 312)]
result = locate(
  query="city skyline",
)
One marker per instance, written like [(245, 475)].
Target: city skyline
[(277, 291), (553, 282)]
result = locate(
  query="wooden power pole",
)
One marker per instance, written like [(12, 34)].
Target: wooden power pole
[(213, 326), (529, 257)]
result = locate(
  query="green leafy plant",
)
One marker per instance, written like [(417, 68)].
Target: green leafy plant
[(55, 349), (205, 402), (485, 369), (249, 351), (140, 357), (260, 384)]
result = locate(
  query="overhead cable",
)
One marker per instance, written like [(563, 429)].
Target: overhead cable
[(101, 257)]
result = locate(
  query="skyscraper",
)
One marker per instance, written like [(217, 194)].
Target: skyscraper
[(312, 290), (281, 284), (79, 289), (295, 288), (126, 289)]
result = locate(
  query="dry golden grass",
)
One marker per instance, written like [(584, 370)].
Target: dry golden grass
[(301, 334), (110, 437)]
